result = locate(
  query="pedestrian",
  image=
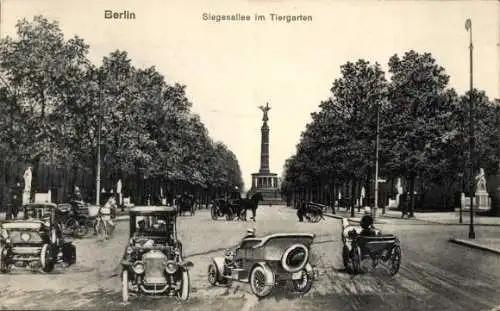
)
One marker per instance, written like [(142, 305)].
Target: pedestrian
[(301, 210), (404, 204)]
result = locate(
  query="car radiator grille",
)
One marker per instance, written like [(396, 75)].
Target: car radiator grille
[(154, 271)]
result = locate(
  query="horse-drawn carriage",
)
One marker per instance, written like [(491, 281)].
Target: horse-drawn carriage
[(186, 203), (365, 248), (313, 212), (235, 208)]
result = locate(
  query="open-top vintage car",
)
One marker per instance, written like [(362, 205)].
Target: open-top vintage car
[(364, 248), (35, 241), (265, 262), (153, 261)]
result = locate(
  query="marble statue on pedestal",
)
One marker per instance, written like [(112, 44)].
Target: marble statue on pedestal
[(482, 196), (28, 175)]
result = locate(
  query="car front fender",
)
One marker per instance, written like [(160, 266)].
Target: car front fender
[(186, 264), (125, 262), (270, 279)]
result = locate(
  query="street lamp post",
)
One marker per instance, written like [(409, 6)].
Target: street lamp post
[(98, 177), (472, 234), (461, 175), (376, 161)]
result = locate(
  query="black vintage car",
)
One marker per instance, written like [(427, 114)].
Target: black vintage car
[(36, 241), (153, 261)]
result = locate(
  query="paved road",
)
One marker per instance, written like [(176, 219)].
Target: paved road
[(435, 274)]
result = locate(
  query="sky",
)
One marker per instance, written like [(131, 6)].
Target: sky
[(232, 67)]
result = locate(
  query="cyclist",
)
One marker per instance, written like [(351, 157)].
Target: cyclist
[(105, 215)]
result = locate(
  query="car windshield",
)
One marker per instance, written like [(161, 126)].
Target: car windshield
[(154, 225), (37, 212)]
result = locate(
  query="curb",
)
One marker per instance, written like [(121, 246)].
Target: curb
[(474, 245)]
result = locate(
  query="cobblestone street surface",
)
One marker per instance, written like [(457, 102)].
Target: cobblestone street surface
[(435, 274)]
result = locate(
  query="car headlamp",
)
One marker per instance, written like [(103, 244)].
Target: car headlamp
[(171, 267), (138, 267), (25, 237), (129, 250)]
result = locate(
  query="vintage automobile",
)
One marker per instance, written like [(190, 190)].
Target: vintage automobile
[(35, 241), (364, 252), (265, 262), (153, 261)]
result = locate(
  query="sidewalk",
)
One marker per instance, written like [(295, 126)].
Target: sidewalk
[(447, 218)]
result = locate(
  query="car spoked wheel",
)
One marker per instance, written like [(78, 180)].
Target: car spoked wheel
[(395, 260), (214, 212), (258, 282), (3, 256), (125, 286), (212, 275), (304, 284), (183, 292)]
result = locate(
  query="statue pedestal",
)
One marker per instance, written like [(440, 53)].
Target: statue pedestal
[(483, 201), (267, 184)]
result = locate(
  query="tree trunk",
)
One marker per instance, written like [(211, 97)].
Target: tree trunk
[(353, 196)]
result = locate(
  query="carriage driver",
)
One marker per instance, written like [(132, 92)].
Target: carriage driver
[(235, 196), (367, 223)]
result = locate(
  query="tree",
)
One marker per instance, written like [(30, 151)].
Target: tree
[(417, 93)]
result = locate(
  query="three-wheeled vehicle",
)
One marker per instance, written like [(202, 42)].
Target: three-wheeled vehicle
[(275, 259), (153, 261), (35, 241)]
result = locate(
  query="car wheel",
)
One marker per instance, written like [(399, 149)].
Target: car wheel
[(258, 282), (395, 260), (303, 285), (183, 293), (213, 275), (46, 260), (3, 264), (125, 285)]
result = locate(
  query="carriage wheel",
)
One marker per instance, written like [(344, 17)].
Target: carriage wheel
[(356, 259), (230, 215), (315, 218), (243, 214), (214, 212), (395, 260), (346, 259)]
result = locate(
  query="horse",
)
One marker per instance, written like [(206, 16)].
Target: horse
[(249, 204)]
